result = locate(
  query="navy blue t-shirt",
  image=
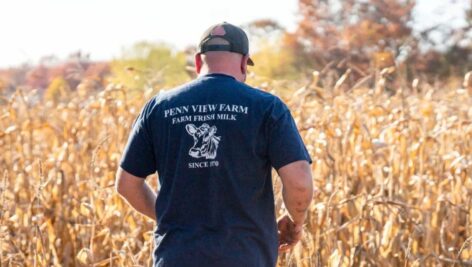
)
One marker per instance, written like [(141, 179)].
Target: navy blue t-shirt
[(213, 142)]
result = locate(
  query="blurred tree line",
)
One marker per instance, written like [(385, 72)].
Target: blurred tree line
[(355, 36), (143, 66), (364, 35), (57, 78)]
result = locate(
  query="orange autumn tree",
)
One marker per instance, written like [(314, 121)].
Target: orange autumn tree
[(353, 30)]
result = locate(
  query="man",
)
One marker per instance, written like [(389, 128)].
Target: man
[(213, 142)]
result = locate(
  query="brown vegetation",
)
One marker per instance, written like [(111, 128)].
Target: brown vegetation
[(392, 175)]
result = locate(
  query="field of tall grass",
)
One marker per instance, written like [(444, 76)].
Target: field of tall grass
[(392, 172)]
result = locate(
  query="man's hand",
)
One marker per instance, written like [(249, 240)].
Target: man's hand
[(297, 189), (289, 233)]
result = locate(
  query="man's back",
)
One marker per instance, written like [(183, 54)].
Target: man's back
[(213, 143)]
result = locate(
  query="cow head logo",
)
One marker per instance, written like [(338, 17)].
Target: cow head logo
[(205, 142)]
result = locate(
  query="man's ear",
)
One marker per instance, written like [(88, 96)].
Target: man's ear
[(198, 62), (244, 64)]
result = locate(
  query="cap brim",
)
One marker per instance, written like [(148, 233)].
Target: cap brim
[(250, 62)]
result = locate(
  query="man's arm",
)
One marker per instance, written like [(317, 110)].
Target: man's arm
[(297, 190), (297, 193), (136, 192)]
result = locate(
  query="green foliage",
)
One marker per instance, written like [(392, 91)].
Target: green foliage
[(149, 65), (275, 61)]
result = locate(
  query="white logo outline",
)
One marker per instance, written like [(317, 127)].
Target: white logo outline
[(205, 142)]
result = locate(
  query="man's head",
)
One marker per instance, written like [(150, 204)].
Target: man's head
[(223, 48)]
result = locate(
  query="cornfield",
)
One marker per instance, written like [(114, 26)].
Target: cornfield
[(391, 170)]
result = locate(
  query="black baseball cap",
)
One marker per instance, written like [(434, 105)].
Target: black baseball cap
[(235, 36)]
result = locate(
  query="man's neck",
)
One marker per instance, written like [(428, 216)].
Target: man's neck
[(222, 71)]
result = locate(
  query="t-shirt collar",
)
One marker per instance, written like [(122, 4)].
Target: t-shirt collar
[(218, 75)]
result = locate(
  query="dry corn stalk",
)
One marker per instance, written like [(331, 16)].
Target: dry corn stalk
[(392, 178)]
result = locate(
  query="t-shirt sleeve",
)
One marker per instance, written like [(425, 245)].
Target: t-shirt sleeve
[(285, 143), (138, 156)]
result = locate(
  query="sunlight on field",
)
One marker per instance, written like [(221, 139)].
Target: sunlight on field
[(392, 175)]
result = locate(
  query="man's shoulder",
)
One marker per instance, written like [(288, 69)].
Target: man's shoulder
[(263, 97), (168, 94), (156, 101), (246, 89), (257, 92), (245, 92)]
